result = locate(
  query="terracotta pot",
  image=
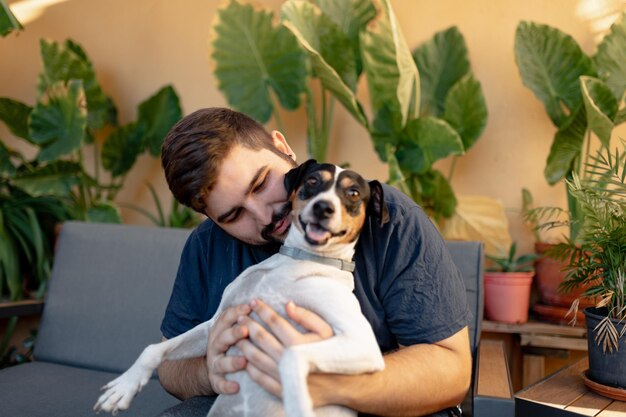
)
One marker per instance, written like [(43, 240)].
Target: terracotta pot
[(507, 296), (549, 275)]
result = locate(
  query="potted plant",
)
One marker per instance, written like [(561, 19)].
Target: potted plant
[(507, 287), (582, 95), (597, 260)]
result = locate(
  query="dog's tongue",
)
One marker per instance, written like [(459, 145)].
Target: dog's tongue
[(316, 233)]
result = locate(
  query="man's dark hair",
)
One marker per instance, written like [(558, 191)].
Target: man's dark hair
[(193, 150)]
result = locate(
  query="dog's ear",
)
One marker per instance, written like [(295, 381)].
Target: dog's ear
[(294, 177), (377, 205)]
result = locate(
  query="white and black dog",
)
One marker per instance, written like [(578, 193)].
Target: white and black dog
[(314, 270)]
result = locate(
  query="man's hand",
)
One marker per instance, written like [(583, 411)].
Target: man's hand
[(225, 333), (263, 349)]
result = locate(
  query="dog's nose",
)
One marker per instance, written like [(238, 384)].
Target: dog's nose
[(323, 209)]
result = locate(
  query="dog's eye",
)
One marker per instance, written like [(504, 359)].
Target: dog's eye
[(353, 194), (311, 182)]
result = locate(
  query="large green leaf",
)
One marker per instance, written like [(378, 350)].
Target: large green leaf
[(327, 44), (550, 63), (426, 141), (56, 178), (566, 147), (159, 113), (104, 212), (254, 58), (9, 268), (121, 148), (466, 109), (15, 115), (437, 195), (611, 58), (7, 169), (386, 132), (59, 125), (392, 76), (8, 22), (442, 62), (600, 106), (299, 18), (69, 62), (352, 17)]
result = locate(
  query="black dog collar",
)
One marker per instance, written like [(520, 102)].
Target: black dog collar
[(308, 256)]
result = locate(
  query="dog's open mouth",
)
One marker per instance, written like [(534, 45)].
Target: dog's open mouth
[(316, 234)]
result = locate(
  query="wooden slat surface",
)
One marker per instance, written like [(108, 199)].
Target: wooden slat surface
[(493, 376), (566, 390), (21, 308)]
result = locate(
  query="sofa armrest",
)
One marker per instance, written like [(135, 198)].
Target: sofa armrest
[(493, 394)]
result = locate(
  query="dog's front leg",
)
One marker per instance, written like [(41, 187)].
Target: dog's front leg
[(120, 392), (294, 369), (346, 354)]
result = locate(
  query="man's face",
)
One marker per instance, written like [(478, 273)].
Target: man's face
[(249, 200)]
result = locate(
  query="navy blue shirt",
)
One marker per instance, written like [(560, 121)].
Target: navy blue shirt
[(406, 283)]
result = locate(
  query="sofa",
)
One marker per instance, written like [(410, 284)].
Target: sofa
[(106, 298)]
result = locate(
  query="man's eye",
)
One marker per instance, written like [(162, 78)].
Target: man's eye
[(262, 184), (234, 217)]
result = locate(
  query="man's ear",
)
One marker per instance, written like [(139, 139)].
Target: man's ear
[(377, 205), (294, 177)]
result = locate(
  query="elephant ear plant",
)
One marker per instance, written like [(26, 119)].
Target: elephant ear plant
[(326, 46), (582, 94), (8, 22), (73, 116)]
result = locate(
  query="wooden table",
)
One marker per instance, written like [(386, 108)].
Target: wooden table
[(529, 343), (563, 394)]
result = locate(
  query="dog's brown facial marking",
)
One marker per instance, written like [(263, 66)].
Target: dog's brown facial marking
[(330, 205)]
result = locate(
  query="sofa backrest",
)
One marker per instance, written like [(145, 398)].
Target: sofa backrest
[(110, 285), (108, 291), (469, 258)]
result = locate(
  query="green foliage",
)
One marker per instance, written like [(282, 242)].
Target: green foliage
[(8, 22), (71, 112), (598, 258), (330, 45), (511, 263), (581, 93), (71, 115)]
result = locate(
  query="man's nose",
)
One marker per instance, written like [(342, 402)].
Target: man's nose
[(262, 212)]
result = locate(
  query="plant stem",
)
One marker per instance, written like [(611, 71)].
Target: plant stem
[(452, 167)]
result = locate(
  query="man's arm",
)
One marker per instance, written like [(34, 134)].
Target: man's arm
[(417, 380), (205, 375)]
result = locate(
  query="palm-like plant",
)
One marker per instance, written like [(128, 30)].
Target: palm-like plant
[(598, 257)]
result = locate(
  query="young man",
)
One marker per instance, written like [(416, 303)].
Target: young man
[(227, 166)]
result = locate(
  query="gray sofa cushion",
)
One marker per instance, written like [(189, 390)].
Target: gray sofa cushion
[(107, 295), (468, 257), (40, 389)]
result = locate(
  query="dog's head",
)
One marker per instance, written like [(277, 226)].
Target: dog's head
[(330, 204)]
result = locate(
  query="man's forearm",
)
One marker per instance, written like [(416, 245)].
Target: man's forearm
[(185, 378), (417, 380)]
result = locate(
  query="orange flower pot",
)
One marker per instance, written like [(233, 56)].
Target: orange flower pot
[(507, 296)]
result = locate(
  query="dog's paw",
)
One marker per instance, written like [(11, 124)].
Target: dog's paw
[(119, 393)]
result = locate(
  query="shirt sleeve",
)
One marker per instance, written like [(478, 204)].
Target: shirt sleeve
[(423, 294)]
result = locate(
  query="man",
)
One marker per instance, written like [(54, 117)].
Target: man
[(227, 166)]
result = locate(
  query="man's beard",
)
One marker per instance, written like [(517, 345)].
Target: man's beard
[(266, 233)]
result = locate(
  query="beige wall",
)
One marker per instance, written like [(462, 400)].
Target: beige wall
[(139, 45)]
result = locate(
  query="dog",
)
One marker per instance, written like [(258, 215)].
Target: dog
[(313, 269)]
